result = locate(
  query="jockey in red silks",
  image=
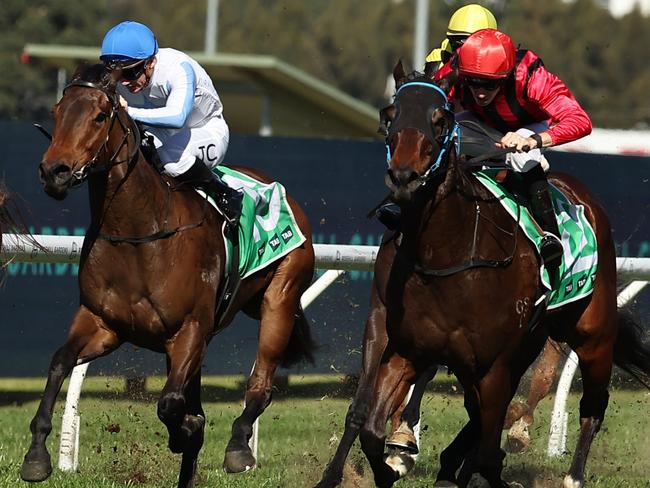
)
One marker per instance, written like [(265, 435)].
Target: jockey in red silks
[(510, 90)]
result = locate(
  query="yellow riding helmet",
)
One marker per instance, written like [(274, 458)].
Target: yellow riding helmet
[(470, 18), (440, 54)]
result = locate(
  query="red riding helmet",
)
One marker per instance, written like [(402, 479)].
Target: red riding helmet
[(488, 53)]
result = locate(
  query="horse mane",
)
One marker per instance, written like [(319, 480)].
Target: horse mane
[(416, 76), (97, 74)]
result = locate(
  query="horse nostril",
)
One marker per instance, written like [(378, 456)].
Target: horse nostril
[(58, 173), (61, 171), (41, 173), (403, 177)]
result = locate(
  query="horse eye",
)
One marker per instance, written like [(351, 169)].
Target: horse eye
[(101, 117)]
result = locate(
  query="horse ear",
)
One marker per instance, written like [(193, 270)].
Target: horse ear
[(399, 75), (436, 116), (81, 69), (441, 120), (386, 116), (430, 68), (448, 81), (109, 79)]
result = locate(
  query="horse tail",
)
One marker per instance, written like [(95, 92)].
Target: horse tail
[(631, 352), (301, 345), (12, 219)]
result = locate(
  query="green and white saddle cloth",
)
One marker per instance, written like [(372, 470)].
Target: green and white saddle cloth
[(267, 227), (577, 271)]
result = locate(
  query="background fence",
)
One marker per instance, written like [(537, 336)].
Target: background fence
[(336, 181)]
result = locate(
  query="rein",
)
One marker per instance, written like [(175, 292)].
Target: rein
[(90, 168), (475, 262)]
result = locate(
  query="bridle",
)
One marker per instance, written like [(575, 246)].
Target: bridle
[(419, 119), (91, 166)]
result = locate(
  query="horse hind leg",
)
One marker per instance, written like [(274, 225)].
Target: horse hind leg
[(403, 442), (86, 341), (595, 366), (407, 416), (283, 338), (520, 416)]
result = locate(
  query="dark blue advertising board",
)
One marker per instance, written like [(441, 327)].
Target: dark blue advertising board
[(336, 181)]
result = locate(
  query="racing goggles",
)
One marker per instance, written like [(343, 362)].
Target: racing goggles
[(128, 73), (456, 41), (489, 84)]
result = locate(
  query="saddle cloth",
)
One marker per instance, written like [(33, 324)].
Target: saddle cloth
[(267, 227), (577, 271)]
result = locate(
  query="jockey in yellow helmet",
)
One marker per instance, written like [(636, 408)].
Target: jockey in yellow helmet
[(463, 22), (440, 55)]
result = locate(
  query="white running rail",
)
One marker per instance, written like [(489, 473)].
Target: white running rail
[(333, 257)]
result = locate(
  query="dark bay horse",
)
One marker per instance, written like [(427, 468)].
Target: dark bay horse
[(152, 264), (456, 286)]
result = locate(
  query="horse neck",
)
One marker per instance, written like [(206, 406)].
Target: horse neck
[(131, 197), (440, 222)]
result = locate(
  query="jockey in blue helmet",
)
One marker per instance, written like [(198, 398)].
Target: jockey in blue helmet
[(171, 94)]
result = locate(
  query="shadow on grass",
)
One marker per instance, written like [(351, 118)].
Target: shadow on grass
[(283, 390)]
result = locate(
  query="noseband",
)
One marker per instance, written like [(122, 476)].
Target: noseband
[(90, 167)]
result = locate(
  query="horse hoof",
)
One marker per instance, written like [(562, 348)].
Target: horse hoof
[(238, 461), (400, 462), (34, 471), (403, 441), (445, 484), (516, 410), (569, 482), (518, 439)]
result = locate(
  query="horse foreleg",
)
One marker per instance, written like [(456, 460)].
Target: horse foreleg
[(394, 379), (496, 389), (457, 454), (402, 437), (192, 429), (184, 357), (374, 344), (87, 339)]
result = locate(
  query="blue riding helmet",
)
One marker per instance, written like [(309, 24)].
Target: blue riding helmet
[(128, 41)]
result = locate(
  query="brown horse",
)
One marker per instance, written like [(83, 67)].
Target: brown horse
[(152, 266), (456, 287)]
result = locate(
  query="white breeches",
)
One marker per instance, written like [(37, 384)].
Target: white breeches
[(525, 161), (179, 148)]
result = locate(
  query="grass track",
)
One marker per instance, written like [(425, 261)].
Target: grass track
[(124, 444)]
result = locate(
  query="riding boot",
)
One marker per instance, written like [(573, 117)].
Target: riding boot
[(541, 206), (390, 215), (228, 200)]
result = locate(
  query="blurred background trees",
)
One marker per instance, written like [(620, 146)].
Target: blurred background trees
[(352, 45)]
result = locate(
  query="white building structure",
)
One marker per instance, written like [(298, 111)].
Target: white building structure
[(612, 141), (619, 8)]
